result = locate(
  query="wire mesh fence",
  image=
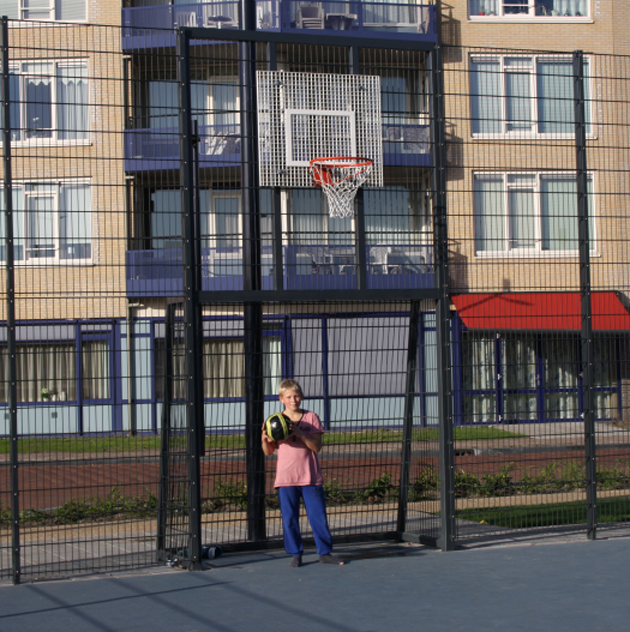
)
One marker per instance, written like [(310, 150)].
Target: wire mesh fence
[(140, 251), (528, 147)]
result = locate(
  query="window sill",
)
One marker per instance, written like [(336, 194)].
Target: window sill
[(22, 23), (487, 19), (45, 263), (45, 142), (550, 254), (529, 136)]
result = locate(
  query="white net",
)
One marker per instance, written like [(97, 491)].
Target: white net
[(340, 178)]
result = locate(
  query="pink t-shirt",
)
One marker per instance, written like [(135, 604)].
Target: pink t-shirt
[(298, 465)]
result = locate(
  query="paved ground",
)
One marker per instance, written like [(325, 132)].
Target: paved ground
[(570, 585)]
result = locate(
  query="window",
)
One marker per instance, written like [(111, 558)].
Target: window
[(400, 16), (64, 10), (524, 96), (221, 225), (519, 9), (223, 366), (54, 365), (49, 101), (95, 369), (311, 222), (524, 377), (52, 223), (214, 103), (45, 372), (527, 214), (165, 219), (404, 112), (396, 215)]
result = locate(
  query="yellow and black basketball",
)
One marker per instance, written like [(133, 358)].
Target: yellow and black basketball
[(278, 427)]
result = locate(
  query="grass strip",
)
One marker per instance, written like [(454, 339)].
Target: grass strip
[(115, 444), (609, 510)]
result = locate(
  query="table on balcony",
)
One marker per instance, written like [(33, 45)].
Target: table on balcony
[(217, 21), (340, 21)]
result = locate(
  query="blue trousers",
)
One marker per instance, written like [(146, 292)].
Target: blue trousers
[(313, 496)]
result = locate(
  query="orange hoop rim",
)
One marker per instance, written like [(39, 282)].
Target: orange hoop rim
[(321, 166), (340, 162)]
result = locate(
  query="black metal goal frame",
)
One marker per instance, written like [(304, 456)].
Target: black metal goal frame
[(179, 524)]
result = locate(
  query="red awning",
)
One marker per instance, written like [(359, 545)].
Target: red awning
[(559, 311)]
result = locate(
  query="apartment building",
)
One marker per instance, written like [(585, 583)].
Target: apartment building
[(67, 183), (341, 97), (516, 271), (107, 150), (96, 194)]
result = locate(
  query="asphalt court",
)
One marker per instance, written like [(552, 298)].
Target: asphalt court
[(573, 585)]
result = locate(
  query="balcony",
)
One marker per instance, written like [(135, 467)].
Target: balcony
[(401, 266), (388, 20), (158, 273), (406, 145), (151, 27), (220, 146), (158, 149)]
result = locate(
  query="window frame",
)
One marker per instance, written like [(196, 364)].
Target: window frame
[(52, 189), (332, 231), (19, 69), (529, 16), (272, 329), (537, 251), (206, 104), (17, 11), (109, 379), (496, 393), (534, 98), (74, 345)]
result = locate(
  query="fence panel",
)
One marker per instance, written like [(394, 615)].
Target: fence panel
[(519, 270), (98, 190)]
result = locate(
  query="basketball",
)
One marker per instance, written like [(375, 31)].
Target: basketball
[(278, 427)]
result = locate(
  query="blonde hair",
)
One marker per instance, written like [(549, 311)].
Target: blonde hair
[(290, 385)]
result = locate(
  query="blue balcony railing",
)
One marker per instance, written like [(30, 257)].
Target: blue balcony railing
[(157, 149), (159, 272), (374, 19), (142, 25), (220, 145), (306, 267), (406, 145), (145, 27)]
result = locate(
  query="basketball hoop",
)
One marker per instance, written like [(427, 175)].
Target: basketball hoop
[(340, 177)]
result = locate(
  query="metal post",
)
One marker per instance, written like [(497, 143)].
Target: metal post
[(252, 313), (410, 398), (10, 302), (276, 200), (586, 336), (442, 308), (165, 431), (278, 251), (360, 239), (193, 340)]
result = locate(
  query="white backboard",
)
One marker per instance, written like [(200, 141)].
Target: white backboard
[(302, 116)]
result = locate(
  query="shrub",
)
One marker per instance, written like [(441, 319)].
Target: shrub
[(379, 490), (499, 484), (466, 484), (424, 485)]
